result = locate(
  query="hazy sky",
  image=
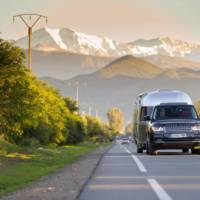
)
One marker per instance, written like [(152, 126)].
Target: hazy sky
[(123, 20)]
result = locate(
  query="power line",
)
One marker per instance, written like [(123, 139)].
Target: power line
[(30, 24)]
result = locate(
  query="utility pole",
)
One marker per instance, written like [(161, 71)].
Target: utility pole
[(97, 113), (76, 86), (90, 110), (77, 93), (30, 26)]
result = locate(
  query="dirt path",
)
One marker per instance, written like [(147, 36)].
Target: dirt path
[(62, 185)]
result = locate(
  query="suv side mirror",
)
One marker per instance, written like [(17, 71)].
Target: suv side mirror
[(147, 118)]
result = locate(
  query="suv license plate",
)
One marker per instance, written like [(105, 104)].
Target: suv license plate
[(178, 135)]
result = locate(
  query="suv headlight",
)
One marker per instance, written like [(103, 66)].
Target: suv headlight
[(196, 128), (158, 129)]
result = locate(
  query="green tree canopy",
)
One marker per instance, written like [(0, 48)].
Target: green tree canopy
[(116, 119), (129, 129), (28, 107), (11, 55), (71, 104)]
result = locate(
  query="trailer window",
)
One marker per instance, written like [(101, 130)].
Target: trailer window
[(144, 112)]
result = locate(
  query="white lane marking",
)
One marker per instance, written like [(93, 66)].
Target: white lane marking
[(160, 192), (116, 156), (137, 161), (139, 164), (127, 150)]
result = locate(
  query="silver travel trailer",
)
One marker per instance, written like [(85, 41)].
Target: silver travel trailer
[(144, 107)]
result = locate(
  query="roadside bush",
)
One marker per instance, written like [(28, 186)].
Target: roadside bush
[(71, 104), (29, 108), (29, 142), (97, 131), (11, 55), (76, 129), (43, 133)]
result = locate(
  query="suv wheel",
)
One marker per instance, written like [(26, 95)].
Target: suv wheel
[(195, 151)]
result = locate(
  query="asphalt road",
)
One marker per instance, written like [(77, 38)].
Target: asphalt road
[(125, 175)]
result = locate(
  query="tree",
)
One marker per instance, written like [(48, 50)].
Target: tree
[(28, 107), (95, 129), (71, 104), (76, 129), (129, 129), (11, 55), (116, 120)]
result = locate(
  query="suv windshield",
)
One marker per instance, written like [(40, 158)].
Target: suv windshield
[(174, 112)]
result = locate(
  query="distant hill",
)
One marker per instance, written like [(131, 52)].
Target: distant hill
[(64, 65), (130, 66), (172, 62), (114, 86)]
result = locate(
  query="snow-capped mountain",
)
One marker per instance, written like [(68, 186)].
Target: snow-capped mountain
[(63, 39), (48, 39), (165, 46)]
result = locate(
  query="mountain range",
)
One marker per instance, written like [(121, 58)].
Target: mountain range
[(62, 53), (67, 40)]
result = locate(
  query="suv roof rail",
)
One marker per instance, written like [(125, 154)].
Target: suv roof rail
[(175, 103), (166, 90)]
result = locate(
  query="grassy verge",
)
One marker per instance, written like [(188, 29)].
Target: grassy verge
[(19, 166)]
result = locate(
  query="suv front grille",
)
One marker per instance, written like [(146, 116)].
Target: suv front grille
[(178, 128)]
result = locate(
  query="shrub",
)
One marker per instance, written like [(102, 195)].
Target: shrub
[(76, 129), (71, 104), (97, 131), (28, 107), (29, 142)]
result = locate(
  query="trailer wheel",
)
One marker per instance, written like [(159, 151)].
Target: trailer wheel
[(185, 150), (139, 149), (150, 148)]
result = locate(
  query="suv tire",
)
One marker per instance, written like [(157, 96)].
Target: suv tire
[(195, 151)]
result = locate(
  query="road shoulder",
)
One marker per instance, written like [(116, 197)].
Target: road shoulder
[(65, 183)]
